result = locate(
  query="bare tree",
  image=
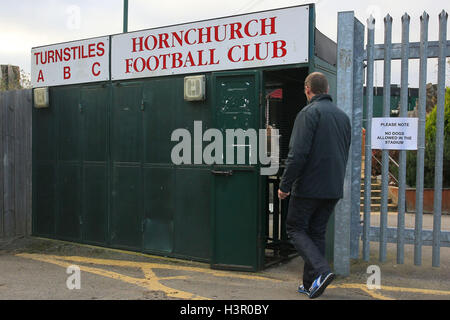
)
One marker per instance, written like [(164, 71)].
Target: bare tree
[(25, 79)]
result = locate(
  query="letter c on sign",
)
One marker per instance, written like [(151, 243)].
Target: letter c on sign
[(96, 74)]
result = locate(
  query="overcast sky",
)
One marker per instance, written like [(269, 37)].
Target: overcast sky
[(28, 23)]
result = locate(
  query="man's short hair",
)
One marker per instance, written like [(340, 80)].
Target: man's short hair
[(317, 82)]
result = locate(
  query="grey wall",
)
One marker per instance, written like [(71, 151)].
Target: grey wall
[(15, 164)]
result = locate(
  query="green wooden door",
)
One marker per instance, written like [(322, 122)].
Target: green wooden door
[(44, 167), (94, 100), (68, 176), (126, 158), (236, 242)]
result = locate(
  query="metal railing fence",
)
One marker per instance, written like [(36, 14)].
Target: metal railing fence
[(351, 61)]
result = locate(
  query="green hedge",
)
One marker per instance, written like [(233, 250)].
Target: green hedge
[(430, 150)]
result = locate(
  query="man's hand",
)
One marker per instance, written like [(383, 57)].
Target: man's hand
[(283, 195)]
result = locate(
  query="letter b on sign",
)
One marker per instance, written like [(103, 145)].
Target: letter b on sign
[(374, 280), (66, 73)]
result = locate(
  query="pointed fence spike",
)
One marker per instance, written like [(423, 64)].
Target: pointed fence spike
[(371, 22), (388, 18), (425, 16), (406, 17)]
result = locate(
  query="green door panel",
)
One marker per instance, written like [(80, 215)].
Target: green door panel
[(68, 173), (44, 169), (94, 115), (236, 100), (126, 124), (158, 235), (126, 157), (160, 201), (126, 217), (68, 217), (95, 219), (235, 227), (44, 200), (161, 106), (44, 148), (69, 129), (236, 107), (235, 222), (192, 219)]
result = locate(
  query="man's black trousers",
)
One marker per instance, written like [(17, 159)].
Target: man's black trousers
[(306, 226)]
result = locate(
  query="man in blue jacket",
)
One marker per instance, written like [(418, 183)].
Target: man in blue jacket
[(314, 178)]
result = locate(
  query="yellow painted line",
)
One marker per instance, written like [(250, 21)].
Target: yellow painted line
[(390, 288), (417, 290), (136, 264), (206, 266), (174, 278), (376, 295), (154, 283), (362, 287), (151, 281)]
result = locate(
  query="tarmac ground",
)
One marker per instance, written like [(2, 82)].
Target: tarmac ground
[(35, 268)]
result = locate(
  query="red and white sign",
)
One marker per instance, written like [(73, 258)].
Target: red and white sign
[(71, 62), (261, 39)]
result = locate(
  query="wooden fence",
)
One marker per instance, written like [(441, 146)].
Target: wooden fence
[(15, 164)]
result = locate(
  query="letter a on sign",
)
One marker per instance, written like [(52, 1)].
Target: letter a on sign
[(40, 76)]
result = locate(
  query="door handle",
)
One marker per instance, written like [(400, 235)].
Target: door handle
[(222, 173)]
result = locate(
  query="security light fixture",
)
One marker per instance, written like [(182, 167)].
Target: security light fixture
[(194, 88), (41, 99)]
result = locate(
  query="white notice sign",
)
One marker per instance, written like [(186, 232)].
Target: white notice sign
[(71, 62), (394, 133)]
